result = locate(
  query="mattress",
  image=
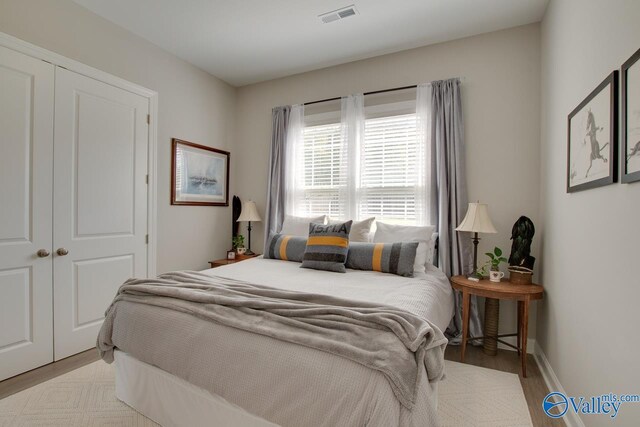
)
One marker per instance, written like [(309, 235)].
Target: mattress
[(285, 383)]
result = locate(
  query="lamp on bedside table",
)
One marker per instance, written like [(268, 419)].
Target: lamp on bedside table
[(249, 213), (476, 221)]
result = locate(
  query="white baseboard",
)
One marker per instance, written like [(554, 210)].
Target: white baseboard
[(571, 419)]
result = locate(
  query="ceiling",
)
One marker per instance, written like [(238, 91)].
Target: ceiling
[(248, 41)]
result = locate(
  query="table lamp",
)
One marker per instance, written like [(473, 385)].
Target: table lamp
[(249, 213), (476, 221)]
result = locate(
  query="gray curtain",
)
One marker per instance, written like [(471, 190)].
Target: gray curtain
[(450, 194), (274, 215)]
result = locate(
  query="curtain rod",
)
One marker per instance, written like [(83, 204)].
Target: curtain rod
[(337, 98)]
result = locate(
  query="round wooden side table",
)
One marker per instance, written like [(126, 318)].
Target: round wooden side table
[(498, 290)]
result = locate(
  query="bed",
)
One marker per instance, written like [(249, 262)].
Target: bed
[(216, 374)]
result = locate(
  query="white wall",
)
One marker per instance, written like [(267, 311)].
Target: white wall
[(587, 325), (502, 120), (193, 105)]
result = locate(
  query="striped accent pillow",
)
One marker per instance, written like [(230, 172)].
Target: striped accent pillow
[(394, 258), (327, 247), (286, 247)]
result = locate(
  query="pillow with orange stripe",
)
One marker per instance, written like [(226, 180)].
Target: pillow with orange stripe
[(394, 258), (327, 247), (285, 247)]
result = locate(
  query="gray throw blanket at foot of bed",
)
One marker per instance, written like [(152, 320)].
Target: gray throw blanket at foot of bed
[(387, 339)]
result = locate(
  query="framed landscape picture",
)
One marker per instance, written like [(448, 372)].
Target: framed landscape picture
[(592, 138), (199, 175), (630, 153)]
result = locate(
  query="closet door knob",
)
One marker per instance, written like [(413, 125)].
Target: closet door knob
[(62, 251), (42, 253)]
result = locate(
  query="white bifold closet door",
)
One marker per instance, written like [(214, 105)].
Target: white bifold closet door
[(26, 149), (99, 203)]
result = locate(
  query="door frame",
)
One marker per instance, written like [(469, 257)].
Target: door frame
[(53, 58)]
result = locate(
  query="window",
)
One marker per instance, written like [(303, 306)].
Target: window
[(383, 170), (389, 169), (323, 179)]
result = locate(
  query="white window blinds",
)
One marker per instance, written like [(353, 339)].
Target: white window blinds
[(322, 154), (389, 169)]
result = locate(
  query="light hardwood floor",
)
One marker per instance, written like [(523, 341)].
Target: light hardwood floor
[(508, 361)]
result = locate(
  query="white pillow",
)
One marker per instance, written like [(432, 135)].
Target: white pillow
[(360, 230), (389, 233), (299, 225)]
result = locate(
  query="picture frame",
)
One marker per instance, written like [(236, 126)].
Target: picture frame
[(199, 174), (592, 138), (630, 152), (231, 255)]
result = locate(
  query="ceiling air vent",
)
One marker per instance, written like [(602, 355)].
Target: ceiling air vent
[(338, 14)]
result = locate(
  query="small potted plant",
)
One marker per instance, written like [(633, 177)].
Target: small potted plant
[(495, 259), (238, 244)]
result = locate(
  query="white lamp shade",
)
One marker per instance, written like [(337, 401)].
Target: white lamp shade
[(249, 212), (477, 220)]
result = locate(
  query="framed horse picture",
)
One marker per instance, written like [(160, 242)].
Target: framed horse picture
[(630, 153), (592, 142)]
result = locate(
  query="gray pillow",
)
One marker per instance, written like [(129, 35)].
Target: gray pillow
[(285, 247), (327, 247), (394, 258)]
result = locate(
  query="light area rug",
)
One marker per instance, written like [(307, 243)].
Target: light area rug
[(469, 396), (474, 396)]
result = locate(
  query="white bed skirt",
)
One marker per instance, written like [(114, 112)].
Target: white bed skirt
[(172, 401)]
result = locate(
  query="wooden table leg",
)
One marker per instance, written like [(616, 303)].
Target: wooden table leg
[(523, 335), (466, 298), (518, 342)]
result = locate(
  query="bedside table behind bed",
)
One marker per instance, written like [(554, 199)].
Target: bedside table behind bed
[(224, 261)]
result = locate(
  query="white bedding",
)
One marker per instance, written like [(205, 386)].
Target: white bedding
[(428, 295)]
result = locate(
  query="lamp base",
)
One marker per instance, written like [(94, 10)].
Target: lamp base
[(475, 276), (249, 251)]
